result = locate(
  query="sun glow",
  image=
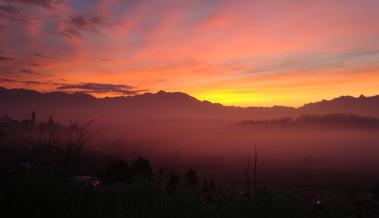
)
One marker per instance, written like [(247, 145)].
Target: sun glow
[(235, 97)]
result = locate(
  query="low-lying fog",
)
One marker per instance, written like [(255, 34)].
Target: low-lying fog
[(298, 154)]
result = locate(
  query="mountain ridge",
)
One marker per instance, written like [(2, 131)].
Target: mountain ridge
[(167, 104)]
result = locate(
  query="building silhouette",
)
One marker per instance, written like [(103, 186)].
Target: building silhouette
[(31, 122)]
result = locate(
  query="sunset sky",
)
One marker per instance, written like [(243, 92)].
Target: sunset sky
[(247, 53)]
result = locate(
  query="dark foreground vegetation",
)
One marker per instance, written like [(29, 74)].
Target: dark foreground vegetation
[(322, 121), (30, 193), (56, 175)]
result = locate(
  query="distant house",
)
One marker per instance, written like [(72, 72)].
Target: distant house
[(7, 172), (7, 123), (89, 180), (31, 122)]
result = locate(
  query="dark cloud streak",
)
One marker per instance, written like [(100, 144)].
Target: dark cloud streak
[(3, 58), (98, 88), (26, 82), (43, 56), (78, 23), (87, 22), (13, 13), (29, 71), (9, 80), (87, 88), (71, 32), (34, 64), (42, 3)]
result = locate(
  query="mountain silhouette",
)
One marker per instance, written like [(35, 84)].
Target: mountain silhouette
[(367, 106), (164, 105)]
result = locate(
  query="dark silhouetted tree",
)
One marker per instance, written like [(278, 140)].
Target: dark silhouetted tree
[(208, 186), (50, 123), (142, 169), (173, 182), (2, 134), (117, 172), (207, 190), (205, 186), (212, 185), (191, 178), (74, 147), (375, 192)]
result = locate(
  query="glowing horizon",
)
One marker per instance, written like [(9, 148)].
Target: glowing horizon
[(244, 53)]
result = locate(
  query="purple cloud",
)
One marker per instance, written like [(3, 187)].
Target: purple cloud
[(12, 13), (42, 3), (71, 32), (29, 71), (78, 23), (3, 58), (26, 82), (87, 22), (43, 55), (9, 80), (100, 88)]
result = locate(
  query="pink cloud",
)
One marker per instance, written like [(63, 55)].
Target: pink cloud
[(188, 44)]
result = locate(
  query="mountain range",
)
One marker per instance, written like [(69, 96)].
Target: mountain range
[(20, 103)]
